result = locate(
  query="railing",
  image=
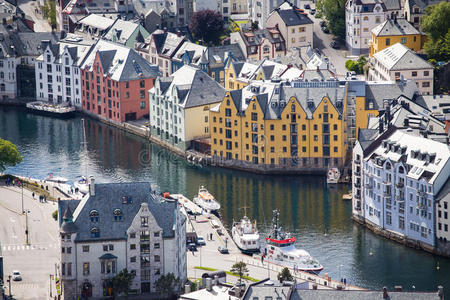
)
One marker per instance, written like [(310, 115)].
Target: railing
[(422, 193), (399, 198), (399, 185), (357, 173), (358, 184), (369, 186), (386, 194)]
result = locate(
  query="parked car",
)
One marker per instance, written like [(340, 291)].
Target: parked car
[(192, 247), (312, 12), (200, 241), (306, 6), (334, 45), (223, 249), (322, 23), (325, 29), (16, 276)]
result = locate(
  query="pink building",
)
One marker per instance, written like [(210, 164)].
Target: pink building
[(115, 81)]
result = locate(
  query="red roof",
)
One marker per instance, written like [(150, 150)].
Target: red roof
[(290, 240)]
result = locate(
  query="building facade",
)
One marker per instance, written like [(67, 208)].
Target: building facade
[(259, 10), (415, 9), (115, 81), (264, 43), (399, 61), (119, 226), (179, 106), (362, 16), (295, 27), (270, 126), (58, 74)]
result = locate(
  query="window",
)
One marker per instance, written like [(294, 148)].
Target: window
[(156, 245), (388, 218), (86, 268), (144, 221), (95, 232), (156, 234), (133, 259), (388, 41), (105, 247), (132, 246), (426, 73), (157, 258), (142, 94), (69, 269), (86, 248), (403, 40), (414, 74), (142, 84), (142, 104), (93, 215), (426, 84)]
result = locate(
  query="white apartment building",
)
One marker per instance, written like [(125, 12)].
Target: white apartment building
[(398, 60), (362, 16), (397, 174), (8, 75), (259, 10), (443, 216), (58, 76), (119, 226)]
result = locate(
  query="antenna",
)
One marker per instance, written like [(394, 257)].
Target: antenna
[(245, 210)]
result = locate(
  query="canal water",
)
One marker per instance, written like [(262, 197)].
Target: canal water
[(316, 215)]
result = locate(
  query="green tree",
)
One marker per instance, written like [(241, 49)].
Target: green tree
[(122, 282), (167, 285), (334, 13), (49, 10), (9, 155), (207, 25), (285, 275), (239, 268), (357, 66), (436, 24), (55, 215)]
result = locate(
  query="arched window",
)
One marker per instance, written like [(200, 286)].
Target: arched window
[(2, 87), (142, 83), (388, 166), (95, 232), (2, 75), (93, 215), (117, 215), (401, 170), (293, 108)]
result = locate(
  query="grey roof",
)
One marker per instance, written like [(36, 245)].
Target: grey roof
[(395, 27), (62, 207), (444, 193), (220, 51), (400, 57), (392, 4), (366, 137), (360, 295), (422, 4), (292, 17), (108, 197), (107, 256), (377, 93), (121, 31), (260, 34), (321, 74), (167, 43)]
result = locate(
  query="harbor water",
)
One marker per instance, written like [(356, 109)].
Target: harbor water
[(315, 214)]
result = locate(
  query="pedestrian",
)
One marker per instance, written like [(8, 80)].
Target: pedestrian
[(262, 258), (345, 281), (33, 195)]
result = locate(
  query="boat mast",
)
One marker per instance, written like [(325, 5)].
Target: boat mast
[(85, 150), (275, 224)]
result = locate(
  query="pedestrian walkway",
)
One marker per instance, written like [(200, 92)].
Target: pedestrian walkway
[(17, 247)]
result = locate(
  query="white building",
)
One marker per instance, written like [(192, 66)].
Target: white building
[(119, 226), (398, 60), (259, 10), (58, 76), (362, 16), (397, 174), (179, 106)]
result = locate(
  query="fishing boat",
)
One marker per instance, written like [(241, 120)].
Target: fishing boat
[(246, 236), (206, 201), (333, 175), (56, 179), (280, 249), (51, 109)]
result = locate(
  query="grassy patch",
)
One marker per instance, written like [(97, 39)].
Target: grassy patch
[(228, 273)]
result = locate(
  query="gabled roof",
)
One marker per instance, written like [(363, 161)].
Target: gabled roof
[(399, 57), (292, 17), (218, 54), (395, 27), (121, 31), (377, 92), (97, 21)]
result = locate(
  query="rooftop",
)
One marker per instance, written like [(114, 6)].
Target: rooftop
[(395, 27), (400, 57)]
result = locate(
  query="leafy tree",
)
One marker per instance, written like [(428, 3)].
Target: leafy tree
[(285, 275), (357, 66), (334, 13), (122, 282), (55, 215), (166, 285), (49, 10), (436, 23), (240, 268), (9, 155), (207, 25)]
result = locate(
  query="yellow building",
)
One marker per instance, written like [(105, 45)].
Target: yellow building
[(394, 31), (278, 126)]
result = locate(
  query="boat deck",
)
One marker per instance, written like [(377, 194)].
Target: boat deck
[(187, 203)]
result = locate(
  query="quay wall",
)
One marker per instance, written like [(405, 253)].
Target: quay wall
[(443, 249)]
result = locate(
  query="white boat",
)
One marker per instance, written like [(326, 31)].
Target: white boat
[(206, 201), (52, 109), (246, 236), (333, 175), (56, 179), (82, 185), (280, 249)]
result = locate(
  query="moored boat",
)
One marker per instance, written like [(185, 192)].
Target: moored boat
[(333, 175), (280, 249), (55, 110), (56, 179), (246, 236), (82, 185), (206, 201)]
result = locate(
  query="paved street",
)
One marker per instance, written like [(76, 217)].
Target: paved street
[(36, 260), (28, 7)]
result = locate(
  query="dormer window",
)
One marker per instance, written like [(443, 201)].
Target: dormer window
[(93, 215), (126, 200), (49, 58), (117, 215), (95, 232)]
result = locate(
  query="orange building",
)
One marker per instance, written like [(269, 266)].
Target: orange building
[(115, 81)]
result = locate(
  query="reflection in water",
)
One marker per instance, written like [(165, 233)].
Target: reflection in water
[(316, 215)]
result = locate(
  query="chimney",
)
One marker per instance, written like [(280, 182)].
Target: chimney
[(406, 122), (441, 292), (385, 293), (91, 186), (178, 33), (208, 284), (62, 35), (398, 288), (380, 126), (215, 280), (165, 29), (187, 288), (4, 21), (314, 286)]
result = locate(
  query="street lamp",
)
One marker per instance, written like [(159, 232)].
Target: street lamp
[(21, 183), (26, 225)]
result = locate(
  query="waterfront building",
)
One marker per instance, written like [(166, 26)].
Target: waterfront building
[(58, 75), (442, 219), (156, 14), (179, 106), (438, 105), (119, 226), (115, 81), (218, 57), (415, 9), (362, 16), (93, 26), (399, 61), (273, 126), (295, 27), (260, 44), (126, 33), (394, 31), (190, 54), (258, 10), (400, 165), (233, 9)]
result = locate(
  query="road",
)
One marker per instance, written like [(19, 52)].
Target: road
[(35, 260), (28, 7)]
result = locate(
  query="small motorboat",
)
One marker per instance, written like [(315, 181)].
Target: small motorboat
[(347, 196), (82, 185), (56, 179), (333, 175)]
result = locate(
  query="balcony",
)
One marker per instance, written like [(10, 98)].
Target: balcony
[(358, 196), (399, 185), (357, 184), (422, 193), (357, 161), (399, 198), (386, 194), (369, 186), (357, 173)]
